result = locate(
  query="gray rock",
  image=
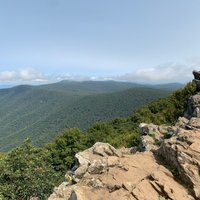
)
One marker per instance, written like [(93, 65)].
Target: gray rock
[(196, 75), (73, 196), (193, 106), (105, 149), (197, 79), (94, 160), (194, 123), (144, 129), (83, 158), (183, 154), (148, 129), (147, 143), (79, 173), (182, 122), (130, 150), (98, 167), (164, 129), (95, 183)]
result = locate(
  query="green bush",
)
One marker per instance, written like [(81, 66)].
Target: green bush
[(64, 147), (25, 173)]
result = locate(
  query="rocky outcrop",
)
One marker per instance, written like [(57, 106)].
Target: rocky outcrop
[(196, 79), (94, 160), (107, 173), (183, 154), (166, 167), (193, 106), (153, 135), (193, 109), (181, 151)]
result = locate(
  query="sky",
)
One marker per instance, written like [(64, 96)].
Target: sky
[(153, 41)]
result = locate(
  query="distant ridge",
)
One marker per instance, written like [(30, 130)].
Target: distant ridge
[(5, 86), (169, 86), (112, 82), (41, 112)]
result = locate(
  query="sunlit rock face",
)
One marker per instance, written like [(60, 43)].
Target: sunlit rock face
[(107, 173)]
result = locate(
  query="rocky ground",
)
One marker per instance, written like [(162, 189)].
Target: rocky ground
[(170, 172), (165, 167)]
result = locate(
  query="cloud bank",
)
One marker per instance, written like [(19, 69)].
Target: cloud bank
[(21, 75), (165, 73), (160, 74)]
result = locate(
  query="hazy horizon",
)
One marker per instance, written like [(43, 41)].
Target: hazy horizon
[(135, 41), (29, 83)]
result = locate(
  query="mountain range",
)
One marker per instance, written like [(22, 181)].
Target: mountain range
[(41, 112)]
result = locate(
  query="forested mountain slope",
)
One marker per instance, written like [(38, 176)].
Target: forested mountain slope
[(40, 112), (26, 170)]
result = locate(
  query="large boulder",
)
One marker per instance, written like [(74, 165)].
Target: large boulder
[(152, 135), (194, 123), (196, 80), (94, 160), (183, 154), (147, 143), (193, 106)]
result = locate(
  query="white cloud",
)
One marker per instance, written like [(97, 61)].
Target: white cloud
[(29, 74), (80, 78), (171, 72), (7, 75), (166, 73), (21, 75)]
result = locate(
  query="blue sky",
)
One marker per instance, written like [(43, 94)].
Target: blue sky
[(135, 40)]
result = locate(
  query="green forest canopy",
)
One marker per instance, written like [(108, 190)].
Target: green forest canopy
[(41, 112)]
